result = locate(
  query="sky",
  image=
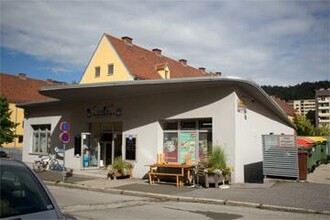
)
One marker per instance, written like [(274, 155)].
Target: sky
[(270, 42)]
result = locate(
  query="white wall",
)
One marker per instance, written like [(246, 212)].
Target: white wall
[(249, 130), (27, 156), (141, 115)]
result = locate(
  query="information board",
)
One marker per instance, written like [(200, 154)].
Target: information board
[(130, 144)]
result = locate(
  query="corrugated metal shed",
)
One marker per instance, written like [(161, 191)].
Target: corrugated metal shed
[(280, 156)]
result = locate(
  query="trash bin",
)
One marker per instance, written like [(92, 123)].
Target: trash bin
[(302, 161), (321, 149), (308, 145)]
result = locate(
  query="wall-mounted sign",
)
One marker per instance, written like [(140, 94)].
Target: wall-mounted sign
[(130, 147), (287, 141), (241, 106), (103, 111)]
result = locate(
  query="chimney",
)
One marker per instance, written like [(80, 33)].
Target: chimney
[(183, 62), (22, 76), (157, 51), (127, 40), (202, 69)]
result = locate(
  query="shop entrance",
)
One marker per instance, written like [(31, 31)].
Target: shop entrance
[(109, 137), (110, 147)]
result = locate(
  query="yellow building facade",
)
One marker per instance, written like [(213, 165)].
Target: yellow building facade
[(16, 116), (105, 65), (117, 59)]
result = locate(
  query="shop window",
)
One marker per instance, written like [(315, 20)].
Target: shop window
[(97, 71), (20, 138), (205, 124), (170, 125), (187, 141), (205, 145), (188, 125), (110, 69), (41, 139)]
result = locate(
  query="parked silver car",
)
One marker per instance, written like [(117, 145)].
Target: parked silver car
[(23, 195)]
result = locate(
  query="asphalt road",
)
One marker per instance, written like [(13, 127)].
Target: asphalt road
[(85, 204)]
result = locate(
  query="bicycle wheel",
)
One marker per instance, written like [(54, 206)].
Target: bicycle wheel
[(53, 163), (38, 166)]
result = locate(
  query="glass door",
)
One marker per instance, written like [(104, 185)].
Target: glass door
[(89, 151)]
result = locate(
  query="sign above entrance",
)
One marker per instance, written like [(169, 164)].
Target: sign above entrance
[(103, 111)]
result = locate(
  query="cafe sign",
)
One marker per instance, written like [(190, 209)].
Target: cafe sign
[(103, 111)]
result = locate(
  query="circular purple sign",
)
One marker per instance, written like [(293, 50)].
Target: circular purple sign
[(65, 137)]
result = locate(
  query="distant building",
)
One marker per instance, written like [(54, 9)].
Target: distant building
[(302, 107), (288, 109), (322, 113), (18, 89)]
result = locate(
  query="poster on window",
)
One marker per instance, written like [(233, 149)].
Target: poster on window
[(170, 147), (187, 148)]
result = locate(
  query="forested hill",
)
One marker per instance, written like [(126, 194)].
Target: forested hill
[(304, 90)]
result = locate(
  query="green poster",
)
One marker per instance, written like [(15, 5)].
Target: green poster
[(187, 146)]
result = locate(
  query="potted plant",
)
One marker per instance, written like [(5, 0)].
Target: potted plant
[(119, 168), (216, 170)]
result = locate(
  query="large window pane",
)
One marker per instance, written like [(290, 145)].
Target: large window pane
[(40, 139), (205, 145)]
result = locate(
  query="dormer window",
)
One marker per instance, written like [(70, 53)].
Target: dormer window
[(97, 71), (110, 69), (166, 75)]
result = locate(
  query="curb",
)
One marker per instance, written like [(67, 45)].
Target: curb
[(164, 197)]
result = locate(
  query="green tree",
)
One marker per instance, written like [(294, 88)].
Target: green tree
[(304, 126), (311, 117), (7, 127), (324, 130)]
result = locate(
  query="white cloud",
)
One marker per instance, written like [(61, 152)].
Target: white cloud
[(271, 42)]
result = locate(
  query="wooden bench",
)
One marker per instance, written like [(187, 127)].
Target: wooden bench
[(179, 177)]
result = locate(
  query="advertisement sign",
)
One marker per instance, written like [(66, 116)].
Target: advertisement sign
[(187, 148)]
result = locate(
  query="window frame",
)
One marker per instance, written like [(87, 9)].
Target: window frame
[(42, 132), (198, 129), (97, 72), (113, 69)]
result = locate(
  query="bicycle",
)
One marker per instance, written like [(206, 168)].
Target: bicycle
[(45, 163)]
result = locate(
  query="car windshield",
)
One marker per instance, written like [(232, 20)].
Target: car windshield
[(21, 192)]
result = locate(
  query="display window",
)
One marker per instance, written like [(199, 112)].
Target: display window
[(187, 140)]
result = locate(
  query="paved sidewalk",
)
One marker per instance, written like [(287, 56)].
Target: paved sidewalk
[(312, 196)]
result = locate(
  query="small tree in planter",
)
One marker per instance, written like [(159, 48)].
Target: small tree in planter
[(217, 169), (119, 167)]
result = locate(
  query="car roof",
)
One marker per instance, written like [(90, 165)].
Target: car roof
[(7, 161)]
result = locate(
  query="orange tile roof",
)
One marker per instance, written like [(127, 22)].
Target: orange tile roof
[(285, 106), (19, 88), (143, 63)]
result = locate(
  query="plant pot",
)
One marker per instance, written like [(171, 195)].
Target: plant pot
[(212, 178)]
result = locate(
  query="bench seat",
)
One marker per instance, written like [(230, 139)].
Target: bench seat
[(153, 175)]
